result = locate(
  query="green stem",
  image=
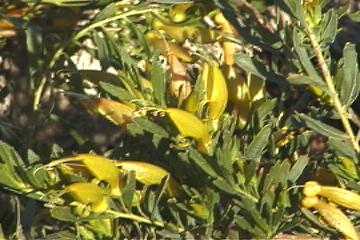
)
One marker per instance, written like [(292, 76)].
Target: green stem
[(139, 219), (107, 20), (78, 35), (329, 82)]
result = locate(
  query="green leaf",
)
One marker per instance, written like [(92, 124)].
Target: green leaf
[(266, 108), (115, 91), (202, 163), (106, 12), (298, 168), (34, 44), (245, 225), (95, 76), (150, 127), (322, 128), (158, 79), (296, 9), (355, 16), (63, 214), (62, 235), (329, 27), (350, 82), (9, 162), (278, 174), (251, 65), (342, 147), (128, 191), (307, 80), (255, 149), (171, 1), (134, 129), (303, 56), (223, 185)]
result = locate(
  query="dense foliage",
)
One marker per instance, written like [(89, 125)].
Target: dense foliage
[(229, 119)]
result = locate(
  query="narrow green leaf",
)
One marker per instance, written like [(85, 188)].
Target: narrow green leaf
[(244, 224), (257, 68), (306, 80), (303, 56), (171, 1), (115, 91), (255, 149), (296, 9), (223, 185), (265, 109), (329, 27), (355, 16), (350, 82), (34, 44), (298, 168), (63, 214), (62, 235), (106, 12), (150, 127), (128, 191), (158, 79), (342, 147), (202, 163), (322, 128)]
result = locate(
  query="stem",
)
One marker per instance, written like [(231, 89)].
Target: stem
[(329, 82), (78, 35), (107, 20), (139, 219)]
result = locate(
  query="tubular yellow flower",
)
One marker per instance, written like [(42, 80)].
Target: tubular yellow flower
[(100, 206), (228, 47), (189, 125), (101, 168), (146, 173), (333, 216), (177, 13), (84, 192), (340, 196), (181, 33), (116, 112), (150, 174), (217, 93), (167, 48), (311, 189), (215, 89), (88, 193)]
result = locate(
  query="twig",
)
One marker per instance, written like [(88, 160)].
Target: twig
[(329, 82)]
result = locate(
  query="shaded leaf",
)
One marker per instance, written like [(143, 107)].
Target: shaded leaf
[(355, 16), (350, 79), (63, 214), (322, 128), (298, 168), (150, 127), (158, 79), (202, 163), (329, 26), (115, 91), (255, 149)]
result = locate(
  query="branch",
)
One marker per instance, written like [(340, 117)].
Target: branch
[(329, 82)]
